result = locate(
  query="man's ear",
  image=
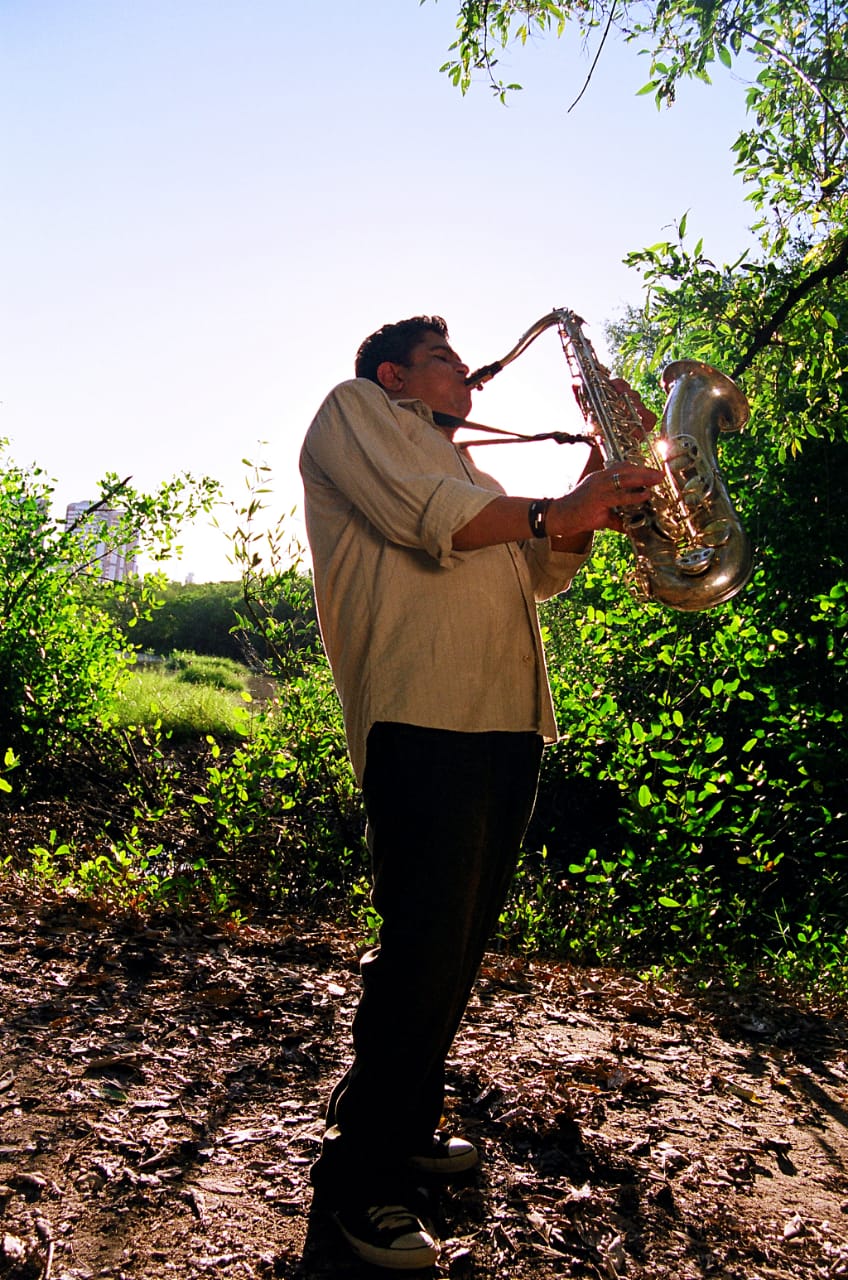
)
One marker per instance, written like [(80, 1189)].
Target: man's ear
[(390, 376)]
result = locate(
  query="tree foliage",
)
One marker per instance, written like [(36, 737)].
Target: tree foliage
[(195, 617), (792, 156), (778, 318)]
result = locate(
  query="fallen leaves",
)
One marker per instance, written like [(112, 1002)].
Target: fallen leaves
[(162, 1088)]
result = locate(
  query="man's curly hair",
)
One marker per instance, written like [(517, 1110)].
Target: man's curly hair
[(395, 342)]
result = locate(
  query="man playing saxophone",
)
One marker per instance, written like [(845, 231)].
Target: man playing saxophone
[(426, 580)]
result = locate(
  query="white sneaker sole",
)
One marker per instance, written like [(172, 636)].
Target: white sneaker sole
[(415, 1258)]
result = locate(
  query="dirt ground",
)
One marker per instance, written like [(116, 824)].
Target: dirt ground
[(161, 1090)]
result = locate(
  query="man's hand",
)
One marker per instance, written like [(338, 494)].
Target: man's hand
[(596, 502), (571, 518), (648, 419)]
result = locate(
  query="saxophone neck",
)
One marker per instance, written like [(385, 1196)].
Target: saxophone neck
[(487, 371)]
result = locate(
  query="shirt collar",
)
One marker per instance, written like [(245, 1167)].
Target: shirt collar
[(418, 407)]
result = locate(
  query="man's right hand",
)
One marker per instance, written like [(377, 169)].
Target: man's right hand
[(596, 501)]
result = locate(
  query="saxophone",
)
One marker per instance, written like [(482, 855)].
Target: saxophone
[(691, 551)]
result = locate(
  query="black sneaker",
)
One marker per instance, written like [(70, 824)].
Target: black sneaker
[(448, 1155), (388, 1235)]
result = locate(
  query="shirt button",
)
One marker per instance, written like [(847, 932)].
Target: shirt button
[(527, 658)]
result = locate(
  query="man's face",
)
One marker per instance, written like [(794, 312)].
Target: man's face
[(435, 374)]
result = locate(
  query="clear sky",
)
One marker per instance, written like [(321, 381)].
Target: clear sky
[(207, 205)]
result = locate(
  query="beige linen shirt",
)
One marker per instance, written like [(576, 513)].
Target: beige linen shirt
[(416, 632)]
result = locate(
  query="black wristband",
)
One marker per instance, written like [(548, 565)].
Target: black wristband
[(537, 515)]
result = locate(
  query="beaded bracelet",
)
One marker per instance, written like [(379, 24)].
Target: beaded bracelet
[(537, 515)]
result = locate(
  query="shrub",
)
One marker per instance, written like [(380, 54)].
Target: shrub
[(62, 657)]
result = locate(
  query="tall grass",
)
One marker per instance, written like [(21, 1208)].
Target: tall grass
[(184, 704), (201, 668)]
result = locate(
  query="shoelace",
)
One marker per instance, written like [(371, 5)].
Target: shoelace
[(388, 1217)]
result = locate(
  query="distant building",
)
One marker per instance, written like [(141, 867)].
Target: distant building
[(116, 563)]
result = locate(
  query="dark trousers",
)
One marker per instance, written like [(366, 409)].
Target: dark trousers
[(446, 815)]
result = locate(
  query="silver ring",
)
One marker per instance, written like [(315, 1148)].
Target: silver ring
[(616, 479)]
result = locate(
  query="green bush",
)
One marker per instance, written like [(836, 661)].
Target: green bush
[(192, 617), (200, 618), (284, 807), (62, 657), (694, 808)]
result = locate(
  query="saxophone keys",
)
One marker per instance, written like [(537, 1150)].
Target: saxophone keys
[(696, 490), (680, 449), (717, 533), (695, 562)]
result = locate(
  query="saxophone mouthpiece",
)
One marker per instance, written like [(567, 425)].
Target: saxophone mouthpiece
[(485, 374)]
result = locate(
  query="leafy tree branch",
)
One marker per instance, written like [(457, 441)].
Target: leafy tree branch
[(759, 340)]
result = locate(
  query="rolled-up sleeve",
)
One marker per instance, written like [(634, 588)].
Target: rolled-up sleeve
[(452, 505), (551, 571), (391, 464)]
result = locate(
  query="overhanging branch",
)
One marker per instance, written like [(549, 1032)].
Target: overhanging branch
[(831, 270)]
